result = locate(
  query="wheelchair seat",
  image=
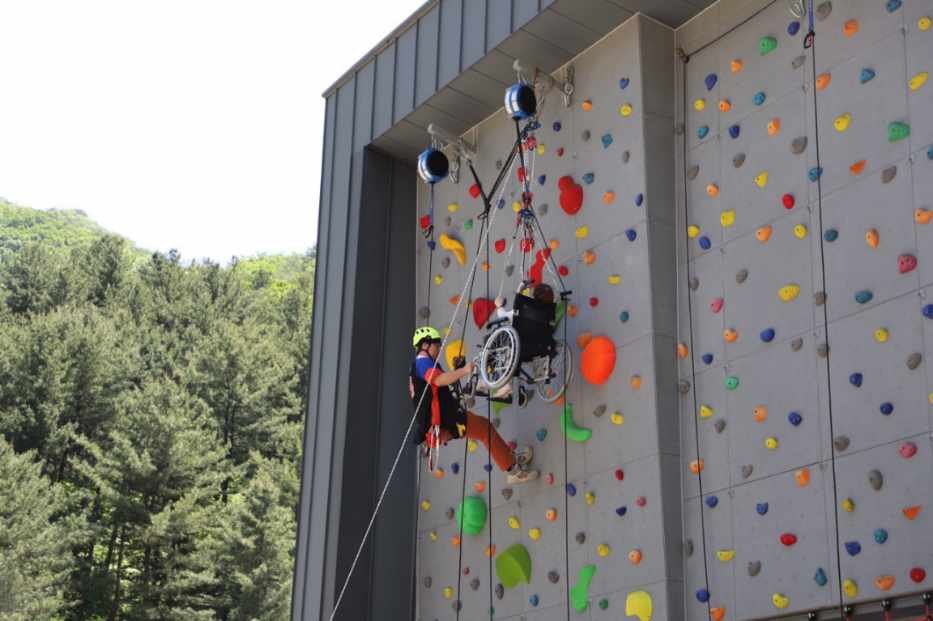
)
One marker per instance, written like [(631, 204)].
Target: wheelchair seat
[(533, 320)]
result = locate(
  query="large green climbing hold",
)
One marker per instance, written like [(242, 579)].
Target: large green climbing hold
[(570, 428), (580, 593), (471, 515), (513, 566), (898, 130), (766, 45)]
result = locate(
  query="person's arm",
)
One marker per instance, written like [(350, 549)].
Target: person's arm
[(446, 378)]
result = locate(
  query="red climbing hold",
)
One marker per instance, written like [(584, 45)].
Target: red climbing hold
[(425, 221), (571, 195), (918, 574), (563, 270), (908, 450), (527, 245), (560, 152), (594, 301), (530, 143), (482, 309), (716, 305), (500, 246), (620, 474), (474, 190), (906, 263), (788, 200), (788, 539), (641, 501), (521, 174)]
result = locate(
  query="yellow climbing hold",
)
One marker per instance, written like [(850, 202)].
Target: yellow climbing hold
[(692, 231), (625, 109), (425, 505), (514, 522), (727, 218), (848, 505), (583, 232), (761, 179), (614, 279), (850, 587), (638, 604), (590, 498), (534, 534), (471, 445), (705, 411), (448, 592), (918, 80), (603, 550), (872, 238), (780, 601), (433, 535), (725, 556), (841, 122), (800, 231), (789, 292), (617, 418), (924, 23), (453, 349), (771, 443), (453, 207), (454, 246), (699, 105), (541, 149), (516, 206), (881, 335)]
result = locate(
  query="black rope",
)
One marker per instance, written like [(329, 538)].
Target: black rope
[(489, 462), (432, 244)]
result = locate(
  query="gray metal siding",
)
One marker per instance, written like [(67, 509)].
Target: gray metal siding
[(498, 22), (426, 78), (450, 41), (405, 73), (365, 89), (384, 97), (474, 32), (523, 11)]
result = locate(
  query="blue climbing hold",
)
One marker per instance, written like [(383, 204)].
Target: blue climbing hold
[(864, 296), (815, 173), (500, 204), (707, 358), (455, 467), (734, 131), (928, 311), (793, 28), (607, 140), (571, 489), (881, 535), (794, 418), (930, 152), (710, 81), (712, 501), (853, 547), (588, 178), (623, 83), (866, 75), (887, 408), (534, 600), (487, 467), (831, 235), (541, 434), (542, 179), (705, 243), (623, 316), (556, 126), (893, 5), (639, 199), (702, 596), (631, 234), (767, 335), (432, 244), (761, 508), (856, 380), (703, 130), (820, 577), (759, 98), (620, 511)]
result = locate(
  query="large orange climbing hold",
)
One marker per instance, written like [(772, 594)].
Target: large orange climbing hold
[(823, 80), (598, 360), (850, 28)]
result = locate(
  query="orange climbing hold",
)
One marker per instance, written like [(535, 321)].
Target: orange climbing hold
[(850, 28), (725, 105), (763, 234), (455, 541), (634, 556), (858, 167), (730, 335), (609, 197), (572, 310), (589, 257), (696, 466), (598, 360), (760, 413), (884, 583), (479, 487), (736, 65), (712, 190), (554, 244), (717, 614), (635, 382), (454, 300), (490, 550), (923, 215), (912, 512), (802, 477), (682, 351), (587, 105), (823, 80), (871, 238), (774, 126)]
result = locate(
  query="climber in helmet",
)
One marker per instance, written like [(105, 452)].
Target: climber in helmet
[(441, 417)]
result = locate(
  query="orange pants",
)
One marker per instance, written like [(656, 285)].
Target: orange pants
[(479, 429)]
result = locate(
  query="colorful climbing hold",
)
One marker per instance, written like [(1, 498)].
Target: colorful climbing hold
[(911, 512), (513, 566), (734, 131), (850, 27), (774, 127), (639, 604), (702, 131), (766, 45), (727, 218), (759, 98), (735, 65), (771, 443), (866, 75), (571, 430), (780, 601), (841, 123), (906, 263), (823, 80), (800, 231), (625, 109), (732, 382), (725, 105), (898, 130), (864, 296), (850, 587), (788, 539), (702, 595), (924, 23), (761, 179), (598, 360)]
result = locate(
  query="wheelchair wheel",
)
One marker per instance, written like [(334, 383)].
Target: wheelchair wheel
[(499, 358), (561, 367)]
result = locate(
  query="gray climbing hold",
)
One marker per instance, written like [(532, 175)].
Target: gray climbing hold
[(585, 135), (427, 582), (509, 270), (542, 209), (747, 470), (876, 479), (841, 443), (754, 568), (424, 312), (823, 10), (474, 584), (688, 547), (738, 160), (500, 591), (822, 350), (719, 425), (798, 145), (553, 577), (796, 344), (819, 298), (445, 262), (683, 387), (449, 514), (798, 61), (888, 174), (498, 164), (625, 156), (692, 172), (600, 410), (694, 283), (580, 538), (741, 276), (507, 493), (914, 360), (448, 221)]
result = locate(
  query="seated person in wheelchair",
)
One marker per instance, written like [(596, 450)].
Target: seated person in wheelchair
[(430, 389)]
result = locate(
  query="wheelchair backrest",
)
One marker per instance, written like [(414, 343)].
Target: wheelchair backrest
[(531, 310)]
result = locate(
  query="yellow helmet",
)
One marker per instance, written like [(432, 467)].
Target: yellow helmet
[(424, 332)]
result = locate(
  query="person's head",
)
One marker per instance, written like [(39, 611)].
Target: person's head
[(427, 339), (544, 293)]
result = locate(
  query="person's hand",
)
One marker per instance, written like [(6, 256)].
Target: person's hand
[(468, 368)]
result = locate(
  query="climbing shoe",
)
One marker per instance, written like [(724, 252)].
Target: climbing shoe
[(524, 455), (517, 475)]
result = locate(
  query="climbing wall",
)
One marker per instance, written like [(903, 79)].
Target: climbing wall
[(805, 196), (608, 500)]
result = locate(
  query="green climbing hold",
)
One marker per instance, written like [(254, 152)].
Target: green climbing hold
[(766, 45), (559, 312), (570, 428), (471, 515), (732, 382), (468, 225), (579, 594), (513, 566), (898, 130), (603, 604), (498, 406)]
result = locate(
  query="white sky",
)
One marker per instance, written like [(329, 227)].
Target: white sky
[(188, 124)]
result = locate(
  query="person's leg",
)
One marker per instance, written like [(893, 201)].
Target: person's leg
[(479, 429)]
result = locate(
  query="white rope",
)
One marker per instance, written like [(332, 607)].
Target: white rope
[(411, 423)]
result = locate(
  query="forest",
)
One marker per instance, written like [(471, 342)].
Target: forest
[(151, 414)]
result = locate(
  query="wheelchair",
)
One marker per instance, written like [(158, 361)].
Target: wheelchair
[(523, 346)]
